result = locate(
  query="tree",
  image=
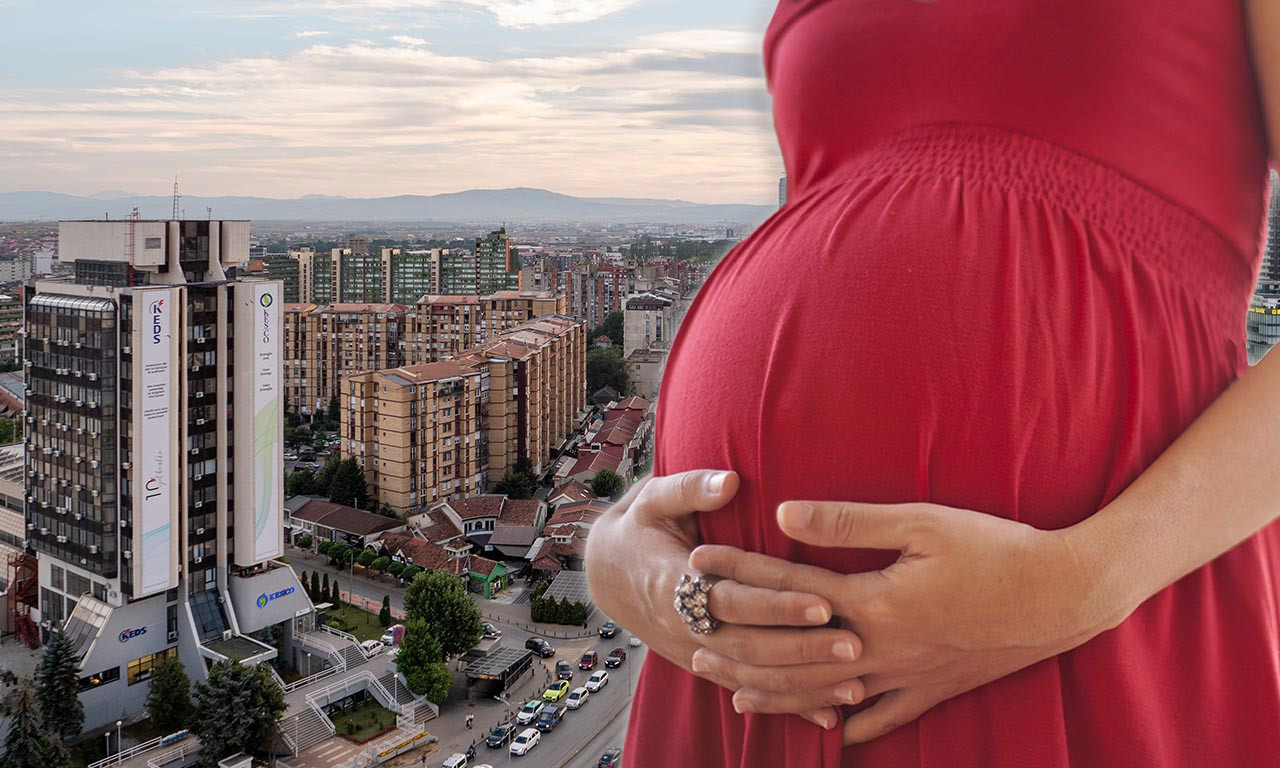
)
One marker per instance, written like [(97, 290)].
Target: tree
[(335, 596), (26, 745), (236, 710), (384, 615), (440, 601), (515, 485), (169, 700), (335, 417), (611, 327), (381, 564), (301, 483), (10, 431), (410, 573), (324, 584), (323, 547), (605, 367), (315, 586), (348, 486), (366, 558), (422, 663), (396, 568), (324, 478), (303, 542), (58, 688), (608, 483), (339, 554)]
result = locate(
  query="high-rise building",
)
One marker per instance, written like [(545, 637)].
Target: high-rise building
[(315, 276), (1263, 323), (277, 266), (408, 275), (497, 268), (357, 244), (154, 471), (325, 344), (456, 273)]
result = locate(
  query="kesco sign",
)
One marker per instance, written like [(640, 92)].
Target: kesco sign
[(129, 634), (265, 598)]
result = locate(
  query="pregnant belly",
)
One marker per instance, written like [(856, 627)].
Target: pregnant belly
[(944, 338)]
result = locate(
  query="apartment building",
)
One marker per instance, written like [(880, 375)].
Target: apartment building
[(276, 266), (416, 430), (325, 344), (649, 321), (497, 267), (153, 464), (408, 275), (447, 429)]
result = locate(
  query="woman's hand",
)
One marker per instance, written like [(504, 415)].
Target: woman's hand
[(972, 598), (636, 554)]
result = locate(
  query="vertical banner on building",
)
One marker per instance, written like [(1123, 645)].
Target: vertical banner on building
[(155, 445), (259, 423)]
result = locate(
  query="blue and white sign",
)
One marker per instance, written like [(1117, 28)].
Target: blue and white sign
[(265, 598), (128, 634)]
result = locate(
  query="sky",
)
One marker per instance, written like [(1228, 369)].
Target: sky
[(374, 98)]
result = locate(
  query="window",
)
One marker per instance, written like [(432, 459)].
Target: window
[(100, 678), (141, 669), (55, 577)]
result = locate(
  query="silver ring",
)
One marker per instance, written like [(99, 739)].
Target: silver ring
[(693, 603)]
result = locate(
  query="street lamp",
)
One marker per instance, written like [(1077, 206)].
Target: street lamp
[(511, 723), (118, 746)]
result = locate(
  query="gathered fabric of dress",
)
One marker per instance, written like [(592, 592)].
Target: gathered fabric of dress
[(1015, 263)]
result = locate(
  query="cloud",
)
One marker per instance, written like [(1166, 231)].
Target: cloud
[(508, 13), (371, 119), (310, 33)]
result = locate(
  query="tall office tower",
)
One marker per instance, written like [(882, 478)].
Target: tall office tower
[(497, 268), (357, 244), (154, 477), (408, 275), (456, 273), (1263, 323), (782, 191)]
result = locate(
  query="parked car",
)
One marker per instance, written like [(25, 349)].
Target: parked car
[(393, 635), (456, 760), (615, 658), (527, 740), (598, 680), (291, 457), (548, 719), (540, 647), (564, 670), (577, 697), (589, 660), (489, 631), (634, 642), (370, 647), (530, 711), (608, 629), (556, 691), (612, 758), (500, 735)]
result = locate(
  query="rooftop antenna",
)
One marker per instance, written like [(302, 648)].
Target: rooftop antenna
[(209, 210), (176, 198)]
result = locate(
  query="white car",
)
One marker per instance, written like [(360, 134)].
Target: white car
[(634, 642), (577, 697), (527, 740), (371, 647), (530, 711), (598, 680), (291, 457)]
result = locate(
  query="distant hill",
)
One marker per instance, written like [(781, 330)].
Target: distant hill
[(478, 205)]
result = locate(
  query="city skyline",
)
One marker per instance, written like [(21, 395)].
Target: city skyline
[(626, 98)]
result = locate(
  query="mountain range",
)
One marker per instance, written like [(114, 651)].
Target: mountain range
[(520, 204)]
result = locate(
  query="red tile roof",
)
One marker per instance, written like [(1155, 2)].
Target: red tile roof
[(343, 518), (520, 512), (608, 457), (488, 505), (575, 490)]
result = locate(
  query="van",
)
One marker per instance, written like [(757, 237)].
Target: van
[(456, 760)]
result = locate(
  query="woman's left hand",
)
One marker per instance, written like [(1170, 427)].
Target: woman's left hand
[(972, 598)]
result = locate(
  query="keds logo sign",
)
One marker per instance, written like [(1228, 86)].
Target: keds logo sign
[(265, 598), (129, 634), (157, 309)]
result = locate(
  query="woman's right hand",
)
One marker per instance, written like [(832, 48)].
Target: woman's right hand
[(637, 552)]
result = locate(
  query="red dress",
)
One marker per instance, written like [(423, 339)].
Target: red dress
[(1015, 264)]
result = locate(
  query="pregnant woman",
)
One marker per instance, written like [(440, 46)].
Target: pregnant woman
[(1002, 316)]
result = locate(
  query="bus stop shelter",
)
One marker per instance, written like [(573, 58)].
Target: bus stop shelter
[(493, 673)]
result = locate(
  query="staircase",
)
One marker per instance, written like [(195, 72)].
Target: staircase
[(424, 712), (304, 730), (396, 688), (351, 655)]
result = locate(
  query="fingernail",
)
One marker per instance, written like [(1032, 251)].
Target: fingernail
[(817, 614), (699, 664), (738, 706), (843, 649), (795, 516), (822, 721), (845, 693), (715, 483)]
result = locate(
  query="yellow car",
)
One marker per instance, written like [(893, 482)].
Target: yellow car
[(557, 691)]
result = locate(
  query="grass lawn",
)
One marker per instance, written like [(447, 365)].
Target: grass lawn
[(363, 721), (362, 624)]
